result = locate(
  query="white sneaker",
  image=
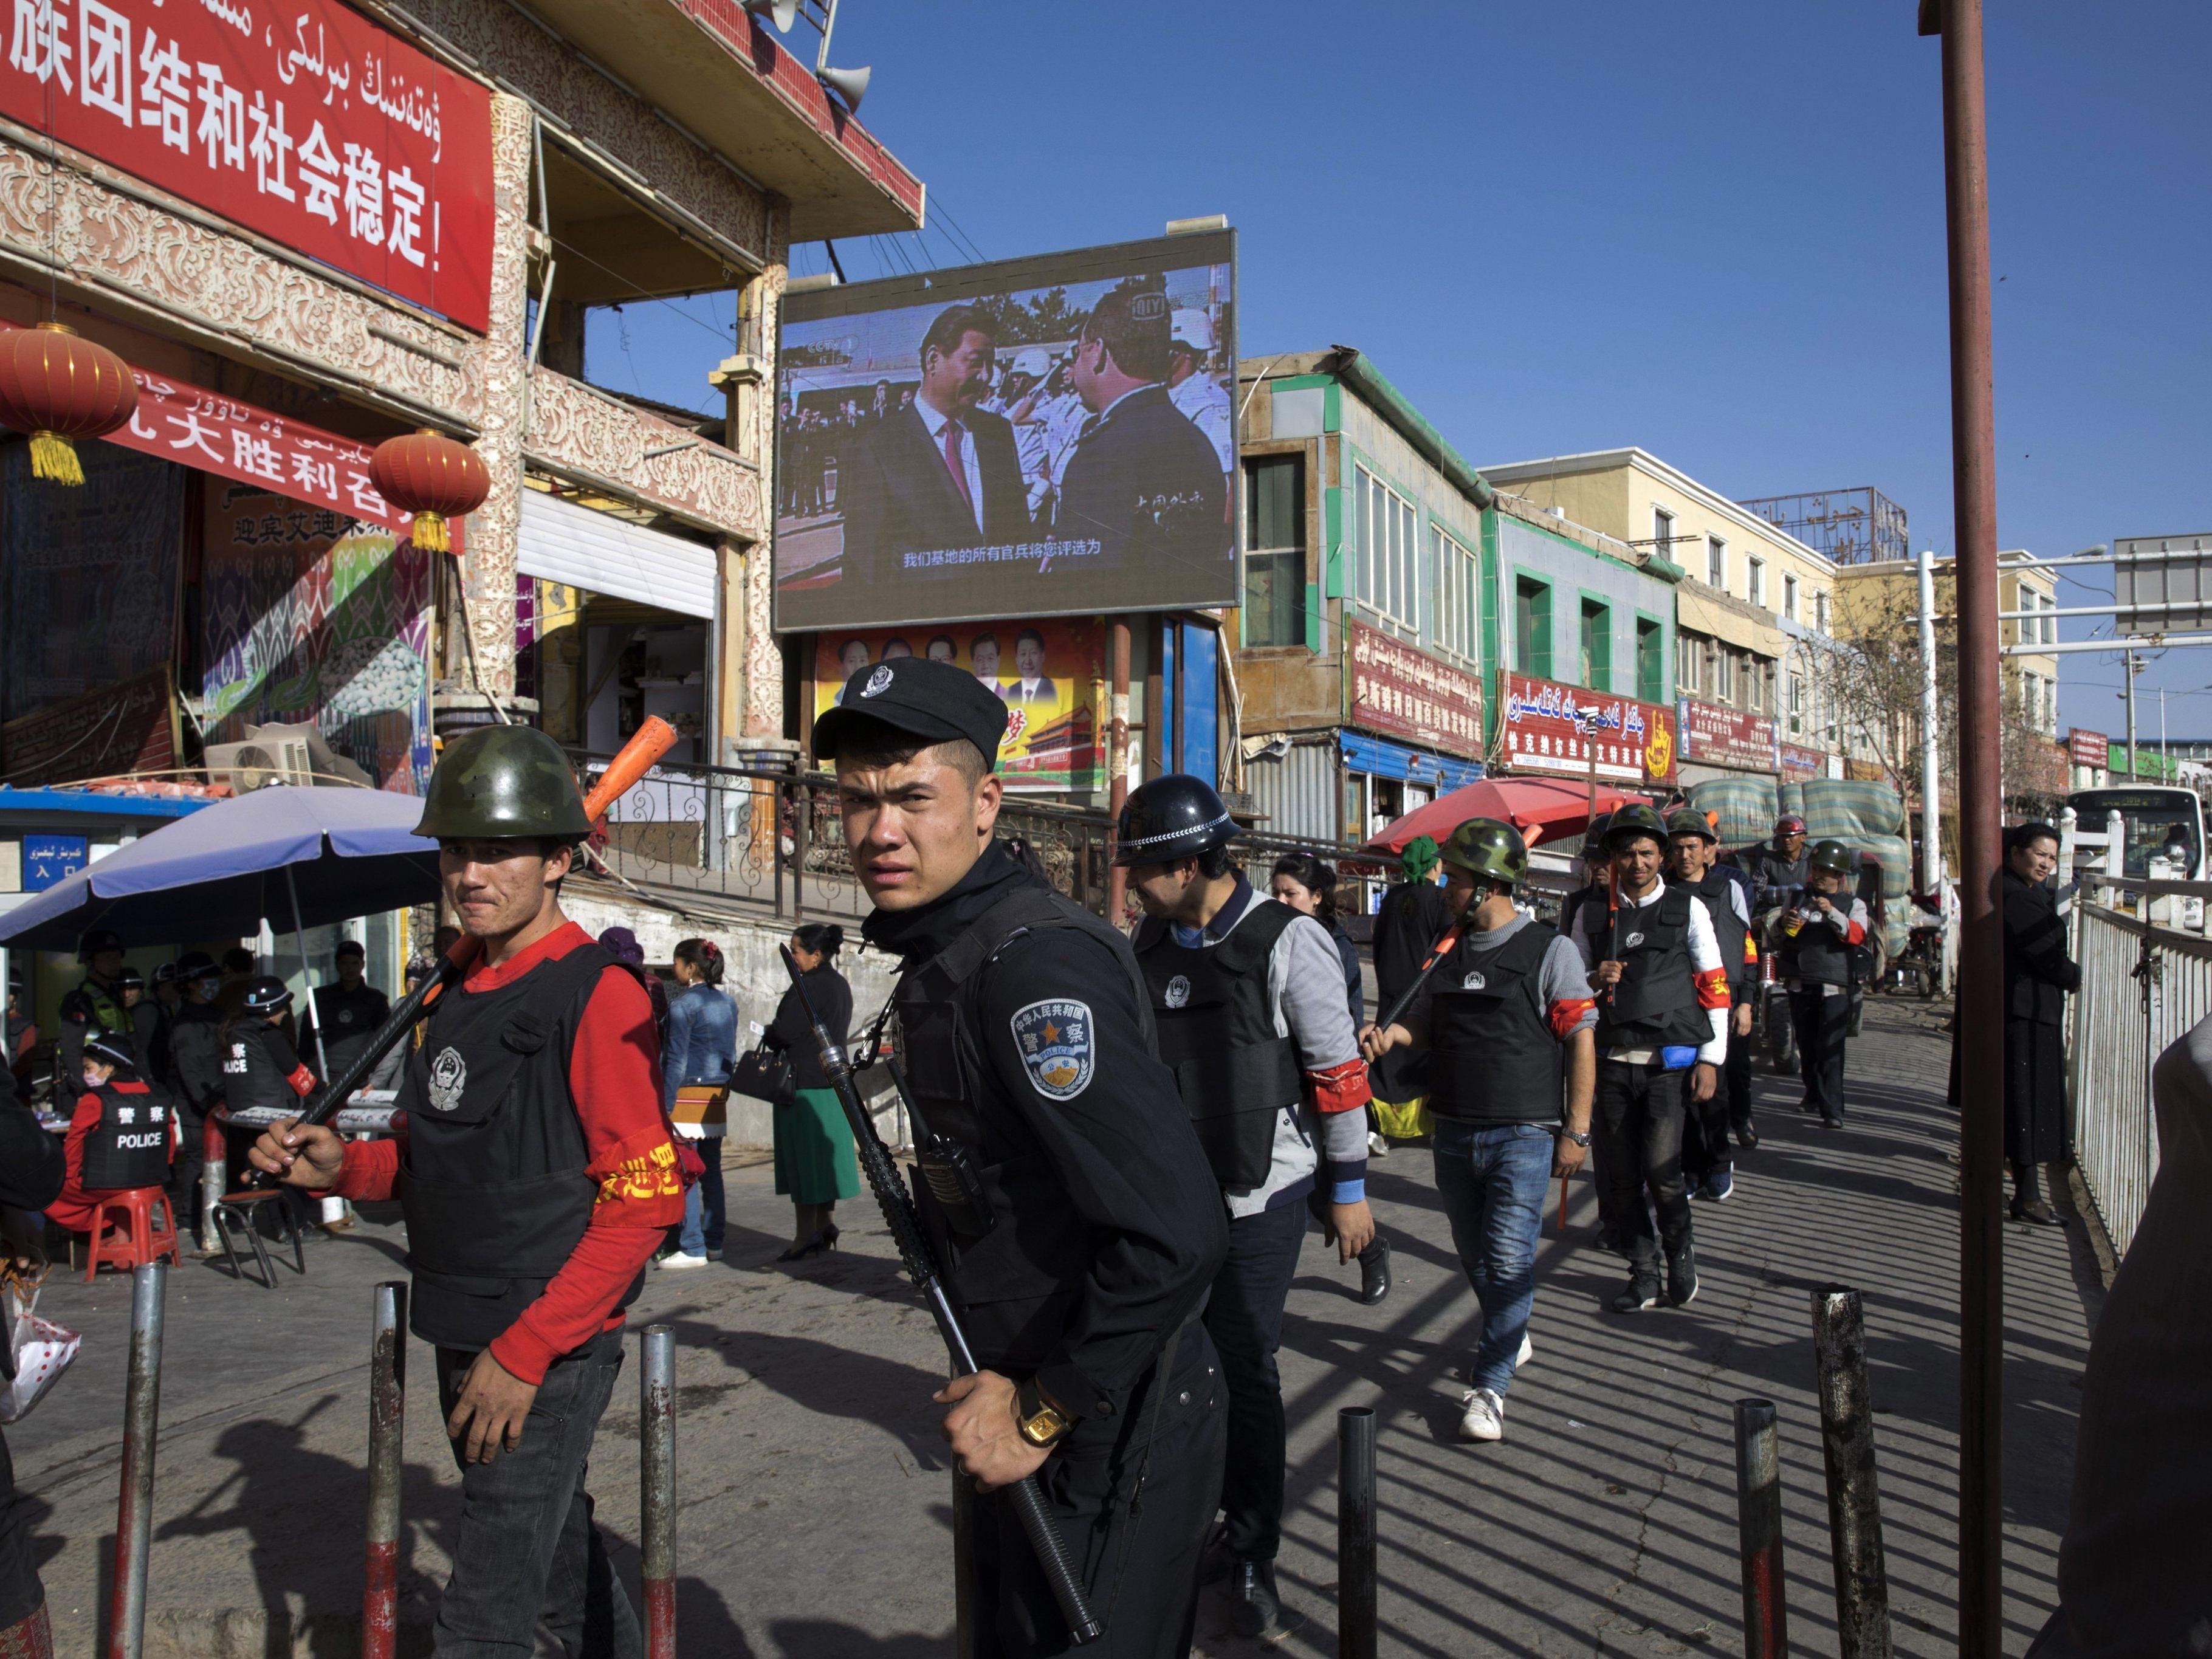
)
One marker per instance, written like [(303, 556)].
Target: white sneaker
[(680, 1260), (1376, 1146), (1482, 1415)]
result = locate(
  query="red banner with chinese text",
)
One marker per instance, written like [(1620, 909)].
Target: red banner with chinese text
[(1725, 737), (306, 122), (1546, 726), (1403, 690)]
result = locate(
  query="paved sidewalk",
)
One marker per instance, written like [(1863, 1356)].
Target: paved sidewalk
[(815, 1497)]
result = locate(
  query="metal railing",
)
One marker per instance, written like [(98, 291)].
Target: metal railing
[(771, 838)]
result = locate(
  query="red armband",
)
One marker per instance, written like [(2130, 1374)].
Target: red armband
[(1712, 988), (302, 1081), (1854, 934), (1340, 1088), (1568, 1014)]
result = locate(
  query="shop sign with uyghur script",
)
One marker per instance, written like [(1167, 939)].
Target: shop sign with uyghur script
[(1719, 736), (306, 122), (1546, 726), (1407, 693)]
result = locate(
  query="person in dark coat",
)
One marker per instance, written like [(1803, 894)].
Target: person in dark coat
[(1144, 482), (1413, 917), (33, 1167), (815, 1161), (2037, 975)]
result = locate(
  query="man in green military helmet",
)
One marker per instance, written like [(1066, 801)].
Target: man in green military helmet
[(1503, 1022), (1821, 925), (537, 1176)]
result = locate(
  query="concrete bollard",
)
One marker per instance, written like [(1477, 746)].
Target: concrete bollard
[(657, 1497), (141, 1419), (1854, 1504), (1355, 1532), (388, 1405), (1759, 1528)]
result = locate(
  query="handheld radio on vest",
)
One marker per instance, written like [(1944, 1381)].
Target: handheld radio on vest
[(651, 741), (892, 1198)]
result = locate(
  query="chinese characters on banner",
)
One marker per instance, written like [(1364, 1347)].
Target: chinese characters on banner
[(306, 122), (1546, 726), (1725, 737), (1398, 689), (1047, 673), (2090, 749)]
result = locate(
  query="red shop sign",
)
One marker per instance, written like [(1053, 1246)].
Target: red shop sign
[(1725, 737), (2090, 749), (1398, 689), (1794, 761), (305, 122), (1546, 726)]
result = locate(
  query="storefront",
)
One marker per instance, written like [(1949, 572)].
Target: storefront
[(1568, 731)]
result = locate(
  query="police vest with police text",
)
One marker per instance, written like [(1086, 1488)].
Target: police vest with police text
[(492, 1180), (252, 1076), (1493, 1057), (1017, 1279), (130, 1145), (1217, 1031), (1655, 1003)]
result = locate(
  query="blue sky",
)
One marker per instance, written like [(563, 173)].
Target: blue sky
[(1714, 229)]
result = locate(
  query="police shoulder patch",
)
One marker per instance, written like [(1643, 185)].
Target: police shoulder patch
[(1057, 1046)]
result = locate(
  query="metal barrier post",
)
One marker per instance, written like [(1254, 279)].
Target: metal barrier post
[(215, 1166), (1758, 1530), (657, 1499), (387, 1406), (1854, 1504), (134, 1509), (1355, 1532)]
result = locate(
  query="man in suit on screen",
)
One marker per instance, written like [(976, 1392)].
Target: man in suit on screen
[(941, 473)]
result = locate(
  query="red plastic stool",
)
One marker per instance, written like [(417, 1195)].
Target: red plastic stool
[(144, 1231)]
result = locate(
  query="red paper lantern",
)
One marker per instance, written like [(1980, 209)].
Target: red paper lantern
[(59, 388), (433, 477)]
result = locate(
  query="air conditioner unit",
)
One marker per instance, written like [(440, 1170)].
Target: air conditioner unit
[(259, 761)]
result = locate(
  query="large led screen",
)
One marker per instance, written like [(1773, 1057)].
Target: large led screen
[(1039, 437)]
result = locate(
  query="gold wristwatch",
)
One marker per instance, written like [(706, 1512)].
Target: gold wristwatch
[(1042, 1423)]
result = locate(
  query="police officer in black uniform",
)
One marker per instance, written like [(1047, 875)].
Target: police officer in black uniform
[(149, 1023), (260, 1068), (96, 1002), (130, 1146), (196, 1057), (1822, 925), (1074, 1212), (347, 1014)]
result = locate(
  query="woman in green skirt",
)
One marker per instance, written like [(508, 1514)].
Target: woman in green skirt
[(815, 1165)]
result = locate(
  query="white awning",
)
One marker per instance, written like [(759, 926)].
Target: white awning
[(601, 554)]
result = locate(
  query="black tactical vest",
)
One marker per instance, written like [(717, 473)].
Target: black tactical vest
[(130, 1145), (1729, 929), (345, 1021), (1818, 955), (492, 1178), (196, 1050), (1217, 1026), (1017, 1280), (1655, 1003), (1493, 1057), (251, 1078)]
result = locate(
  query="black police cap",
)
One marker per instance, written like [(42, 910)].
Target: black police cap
[(1171, 818), (114, 1047), (194, 964), (935, 702), (266, 993), (99, 940)]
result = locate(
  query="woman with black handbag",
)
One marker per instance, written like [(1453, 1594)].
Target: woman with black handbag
[(815, 1163)]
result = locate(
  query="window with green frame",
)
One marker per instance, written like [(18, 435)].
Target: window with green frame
[(1275, 551), (1597, 646), (1650, 660), (1532, 627)]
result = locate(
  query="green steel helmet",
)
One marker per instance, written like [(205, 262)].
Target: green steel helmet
[(1594, 836), (1688, 821), (503, 781), (1489, 850), (1633, 820), (1831, 856)]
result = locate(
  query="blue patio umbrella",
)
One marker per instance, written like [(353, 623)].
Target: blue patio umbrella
[(298, 857)]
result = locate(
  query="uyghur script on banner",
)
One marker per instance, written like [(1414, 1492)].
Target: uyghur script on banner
[(1546, 726), (1404, 691), (306, 122)]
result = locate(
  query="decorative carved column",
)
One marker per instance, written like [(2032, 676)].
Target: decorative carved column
[(495, 529), (763, 651)]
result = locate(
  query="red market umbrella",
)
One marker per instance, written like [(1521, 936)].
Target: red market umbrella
[(1541, 809)]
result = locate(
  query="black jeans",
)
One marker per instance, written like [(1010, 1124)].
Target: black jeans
[(1705, 1145), (1638, 1121), (1135, 1550), (1822, 1021), (527, 1552), (1244, 1316)]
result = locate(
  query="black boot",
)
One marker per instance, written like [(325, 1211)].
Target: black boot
[(1252, 1589), (1375, 1271)]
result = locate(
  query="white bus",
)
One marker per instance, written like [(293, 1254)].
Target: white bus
[(2162, 823)]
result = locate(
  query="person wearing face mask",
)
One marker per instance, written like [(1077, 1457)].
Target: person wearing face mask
[(122, 1134), (1073, 1214), (196, 1056)]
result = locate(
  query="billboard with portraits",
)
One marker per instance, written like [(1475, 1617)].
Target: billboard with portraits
[(1038, 437)]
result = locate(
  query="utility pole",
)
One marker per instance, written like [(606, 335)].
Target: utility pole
[(1980, 1041), (1931, 736), (2133, 664)]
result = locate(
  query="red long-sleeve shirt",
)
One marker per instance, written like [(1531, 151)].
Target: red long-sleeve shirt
[(74, 1208), (614, 1073)]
